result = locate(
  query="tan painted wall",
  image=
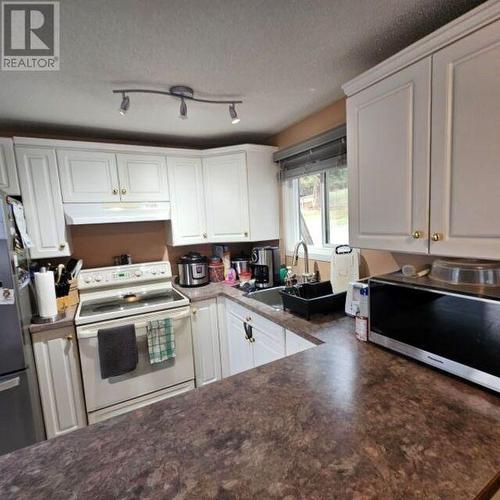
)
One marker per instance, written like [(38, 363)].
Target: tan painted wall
[(144, 241), (330, 117)]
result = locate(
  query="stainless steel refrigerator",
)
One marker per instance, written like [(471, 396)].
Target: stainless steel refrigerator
[(21, 421)]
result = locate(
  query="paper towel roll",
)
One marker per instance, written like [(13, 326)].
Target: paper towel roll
[(46, 294)]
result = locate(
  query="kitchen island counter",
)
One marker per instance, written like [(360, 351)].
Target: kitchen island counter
[(342, 420)]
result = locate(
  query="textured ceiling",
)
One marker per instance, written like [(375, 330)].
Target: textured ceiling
[(284, 58)]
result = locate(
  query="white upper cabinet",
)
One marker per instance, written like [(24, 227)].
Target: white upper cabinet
[(188, 225), (8, 173), (423, 144), (88, 176), (142, 177), (226, 195), (263, 195), (42, 202), (465, 193), (388, 156)]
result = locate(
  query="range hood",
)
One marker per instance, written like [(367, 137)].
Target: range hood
[(105, 213)]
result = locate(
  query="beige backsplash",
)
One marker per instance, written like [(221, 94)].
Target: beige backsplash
[(144, 241)]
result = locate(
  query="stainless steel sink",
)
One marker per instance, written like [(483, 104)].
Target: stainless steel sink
[(269, 296)]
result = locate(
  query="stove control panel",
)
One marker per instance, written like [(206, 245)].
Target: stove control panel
[(118, 275)]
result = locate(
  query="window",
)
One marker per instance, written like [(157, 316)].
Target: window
[(316, 210)]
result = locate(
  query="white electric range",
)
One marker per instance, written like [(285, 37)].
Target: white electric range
[(123, 295)]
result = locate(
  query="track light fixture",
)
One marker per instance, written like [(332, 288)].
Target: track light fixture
[(183, 112), (180, 92), (233, 114), (125, 104)]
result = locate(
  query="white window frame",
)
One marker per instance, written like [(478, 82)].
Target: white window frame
[(291, 214)]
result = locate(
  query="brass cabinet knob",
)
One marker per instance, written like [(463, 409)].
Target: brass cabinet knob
[(115, 191), (205, 235), (436, 237), (69, 338), (195, 311), (245, 234), (416, 235), (62, 246), (124, 191)]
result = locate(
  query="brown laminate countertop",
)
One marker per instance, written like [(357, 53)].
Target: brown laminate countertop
[(341, 420), (67, 320)]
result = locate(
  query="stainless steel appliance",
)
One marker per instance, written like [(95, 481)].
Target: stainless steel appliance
[(265, 266), (21, 421), (132, 295), (241, 264), (454, 328), (193, 270)]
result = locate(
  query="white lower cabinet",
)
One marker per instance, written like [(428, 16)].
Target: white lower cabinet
[(295, 343), (206, 342), (59, 379), (251, 340)]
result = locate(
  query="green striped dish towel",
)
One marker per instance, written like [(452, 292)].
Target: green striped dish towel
[(161, 341)]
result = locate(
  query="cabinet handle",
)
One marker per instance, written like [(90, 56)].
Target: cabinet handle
[(417, 234), (124, 191), (204, 235), (252, 340), (115, 191), (248, 318), (245, 234), (62, 246), (436, 237), (69, 337), (248, 332), (194, 311)]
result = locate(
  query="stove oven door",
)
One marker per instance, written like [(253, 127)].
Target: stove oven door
[(146, 378)]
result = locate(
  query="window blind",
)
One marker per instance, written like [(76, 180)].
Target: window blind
[(320, 153)]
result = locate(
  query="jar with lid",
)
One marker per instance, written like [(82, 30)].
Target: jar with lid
[(215, 269)]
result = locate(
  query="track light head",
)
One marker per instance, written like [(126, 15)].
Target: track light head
[(233, 114), (125, 104), (183, 112)]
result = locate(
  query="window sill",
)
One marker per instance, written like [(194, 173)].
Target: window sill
[(315, 253)]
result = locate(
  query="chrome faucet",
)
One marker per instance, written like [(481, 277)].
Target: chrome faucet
[(306, 276), (295, 257)]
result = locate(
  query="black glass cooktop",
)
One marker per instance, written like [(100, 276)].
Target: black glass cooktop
[(128, 301)]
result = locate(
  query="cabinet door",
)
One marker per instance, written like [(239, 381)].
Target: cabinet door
[(388, 162), (295, 343), (142, 177), (8, 173), (88, 176), (269, 342), (465, 184), (226, 194), (42, 202), (58, 370), (188, 224), (206, 342), (239, 348)]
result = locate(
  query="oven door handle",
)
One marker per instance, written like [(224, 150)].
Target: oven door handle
[(87, 334)]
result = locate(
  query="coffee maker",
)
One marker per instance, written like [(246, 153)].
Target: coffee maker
[(265, 262)]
